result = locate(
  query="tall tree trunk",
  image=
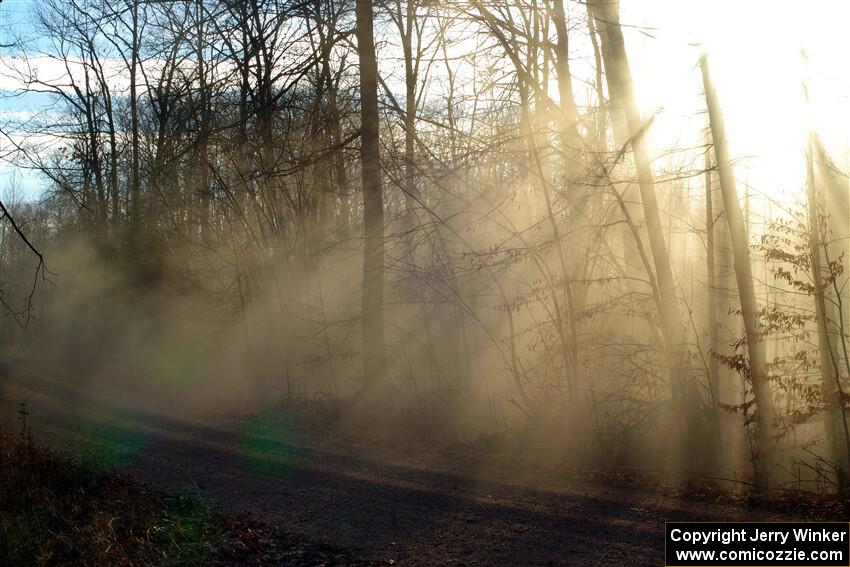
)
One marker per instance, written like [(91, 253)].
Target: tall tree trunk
[(406, 25), (374, 361), (114, 194), (620, 88), (714, 343), (835, 422), (765, 422), (633, 230), (572, 138), (712, 307), (135, 180), (576, 189), (202, 175), (601, 123)]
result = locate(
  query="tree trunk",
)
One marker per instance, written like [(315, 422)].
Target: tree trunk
[(835, 422), (373, 201), (135, 181), (712, 321), (410, 72), (765, 423), (620, 88), (571, 138), (202, 188)]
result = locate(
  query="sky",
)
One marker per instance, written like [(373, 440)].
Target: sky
[(14, 18), (755, 53)]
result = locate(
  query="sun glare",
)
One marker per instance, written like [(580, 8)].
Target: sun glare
[(762, 54)]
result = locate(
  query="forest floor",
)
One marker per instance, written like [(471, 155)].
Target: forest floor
[(383, 504)]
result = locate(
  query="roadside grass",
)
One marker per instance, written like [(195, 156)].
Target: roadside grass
[(55, 510), (60, 510)]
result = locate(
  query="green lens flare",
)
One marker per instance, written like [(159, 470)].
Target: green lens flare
[(109, 444), (270, 447), (180, 366), (104, 437)]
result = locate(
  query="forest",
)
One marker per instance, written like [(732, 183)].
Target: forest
[(594, 235)]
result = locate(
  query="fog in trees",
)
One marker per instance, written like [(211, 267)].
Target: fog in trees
[(572, 232)]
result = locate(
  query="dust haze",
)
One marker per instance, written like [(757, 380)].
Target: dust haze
[(568, 273)]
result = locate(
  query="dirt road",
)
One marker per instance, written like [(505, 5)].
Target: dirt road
[(403, 506), (410, 508)]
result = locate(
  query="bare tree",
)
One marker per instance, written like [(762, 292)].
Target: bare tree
[(766, 430), (374, 356), (620, 87)]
